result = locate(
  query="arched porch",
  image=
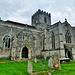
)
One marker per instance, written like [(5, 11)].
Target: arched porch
[(25, 52)]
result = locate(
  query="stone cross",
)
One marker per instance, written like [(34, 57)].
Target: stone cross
[(56, 61), (50, 62), (35, 60), (30, 67)]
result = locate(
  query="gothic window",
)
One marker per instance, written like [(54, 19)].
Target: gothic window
[(68, 37), (9, 43), (53, 40), (6, 42), (45, 20), (35, 21)]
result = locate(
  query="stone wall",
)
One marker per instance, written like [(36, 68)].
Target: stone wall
[(6, 30), (32, 37)]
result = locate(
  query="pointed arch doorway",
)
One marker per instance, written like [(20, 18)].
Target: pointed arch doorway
[(68, 51), (25, 52)]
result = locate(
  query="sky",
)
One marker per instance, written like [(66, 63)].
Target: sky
[(22, 10)]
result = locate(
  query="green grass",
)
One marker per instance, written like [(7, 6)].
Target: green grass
[(66, 69), (4, 60), (12, 68), (20, 68)]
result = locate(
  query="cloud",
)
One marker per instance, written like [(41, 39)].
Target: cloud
[(69, 14), (19, 16), (21, 11), (66, 12)]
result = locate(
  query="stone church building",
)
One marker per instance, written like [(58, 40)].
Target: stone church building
[(41, 38)]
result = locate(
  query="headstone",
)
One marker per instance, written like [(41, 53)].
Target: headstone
[(15, 61), (45, 57), (42, 62), (30, 68), (64, 60), (50, 62), (49, 73), (35, 60), (56, 61)]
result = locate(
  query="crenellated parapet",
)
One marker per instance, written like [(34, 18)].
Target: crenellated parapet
[(41, 12), (41, 16)]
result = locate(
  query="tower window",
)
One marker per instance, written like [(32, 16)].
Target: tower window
[(45, 20), (35, 21)]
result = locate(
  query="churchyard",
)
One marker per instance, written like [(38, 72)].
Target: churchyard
[(8, 67)]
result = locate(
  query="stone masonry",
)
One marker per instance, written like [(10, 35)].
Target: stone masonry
[(20, 41)]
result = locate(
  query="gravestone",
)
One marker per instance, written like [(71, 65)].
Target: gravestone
[(49, 73), (56, 61), (50, 62), (35, 60), (15, 61), (30, 67), (45, 57), (42, 62)]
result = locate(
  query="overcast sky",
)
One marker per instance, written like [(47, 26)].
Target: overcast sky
[(22, 10)]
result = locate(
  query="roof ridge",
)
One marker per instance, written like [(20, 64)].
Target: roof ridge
[(20, 24)]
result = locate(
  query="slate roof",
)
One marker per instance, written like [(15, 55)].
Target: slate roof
[(19, 24)]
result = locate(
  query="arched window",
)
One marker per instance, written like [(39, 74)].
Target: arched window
[(53, 40), (6, 42), (9, 43), (45, 20), (68, 37), (35, 21)]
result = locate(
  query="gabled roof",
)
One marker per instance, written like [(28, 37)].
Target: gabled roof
[(20, 24), (55, 24), (66, 23)]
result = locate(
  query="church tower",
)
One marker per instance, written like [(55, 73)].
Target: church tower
[(41, 17)]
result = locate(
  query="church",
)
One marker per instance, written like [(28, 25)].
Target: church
[(41, 38)]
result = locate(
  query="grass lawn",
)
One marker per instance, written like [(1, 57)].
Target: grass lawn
[(20, 68), (66, 69), (5, 60)]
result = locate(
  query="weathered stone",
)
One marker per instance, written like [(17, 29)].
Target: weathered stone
[(45, 57), (56, 61), (49, 73), (30, 67), (50, 62), (35, 60), (37, 39), (15, 61), (42, 62), (64, 60)]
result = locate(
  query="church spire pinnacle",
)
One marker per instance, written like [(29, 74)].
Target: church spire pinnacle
[(65, 19)]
